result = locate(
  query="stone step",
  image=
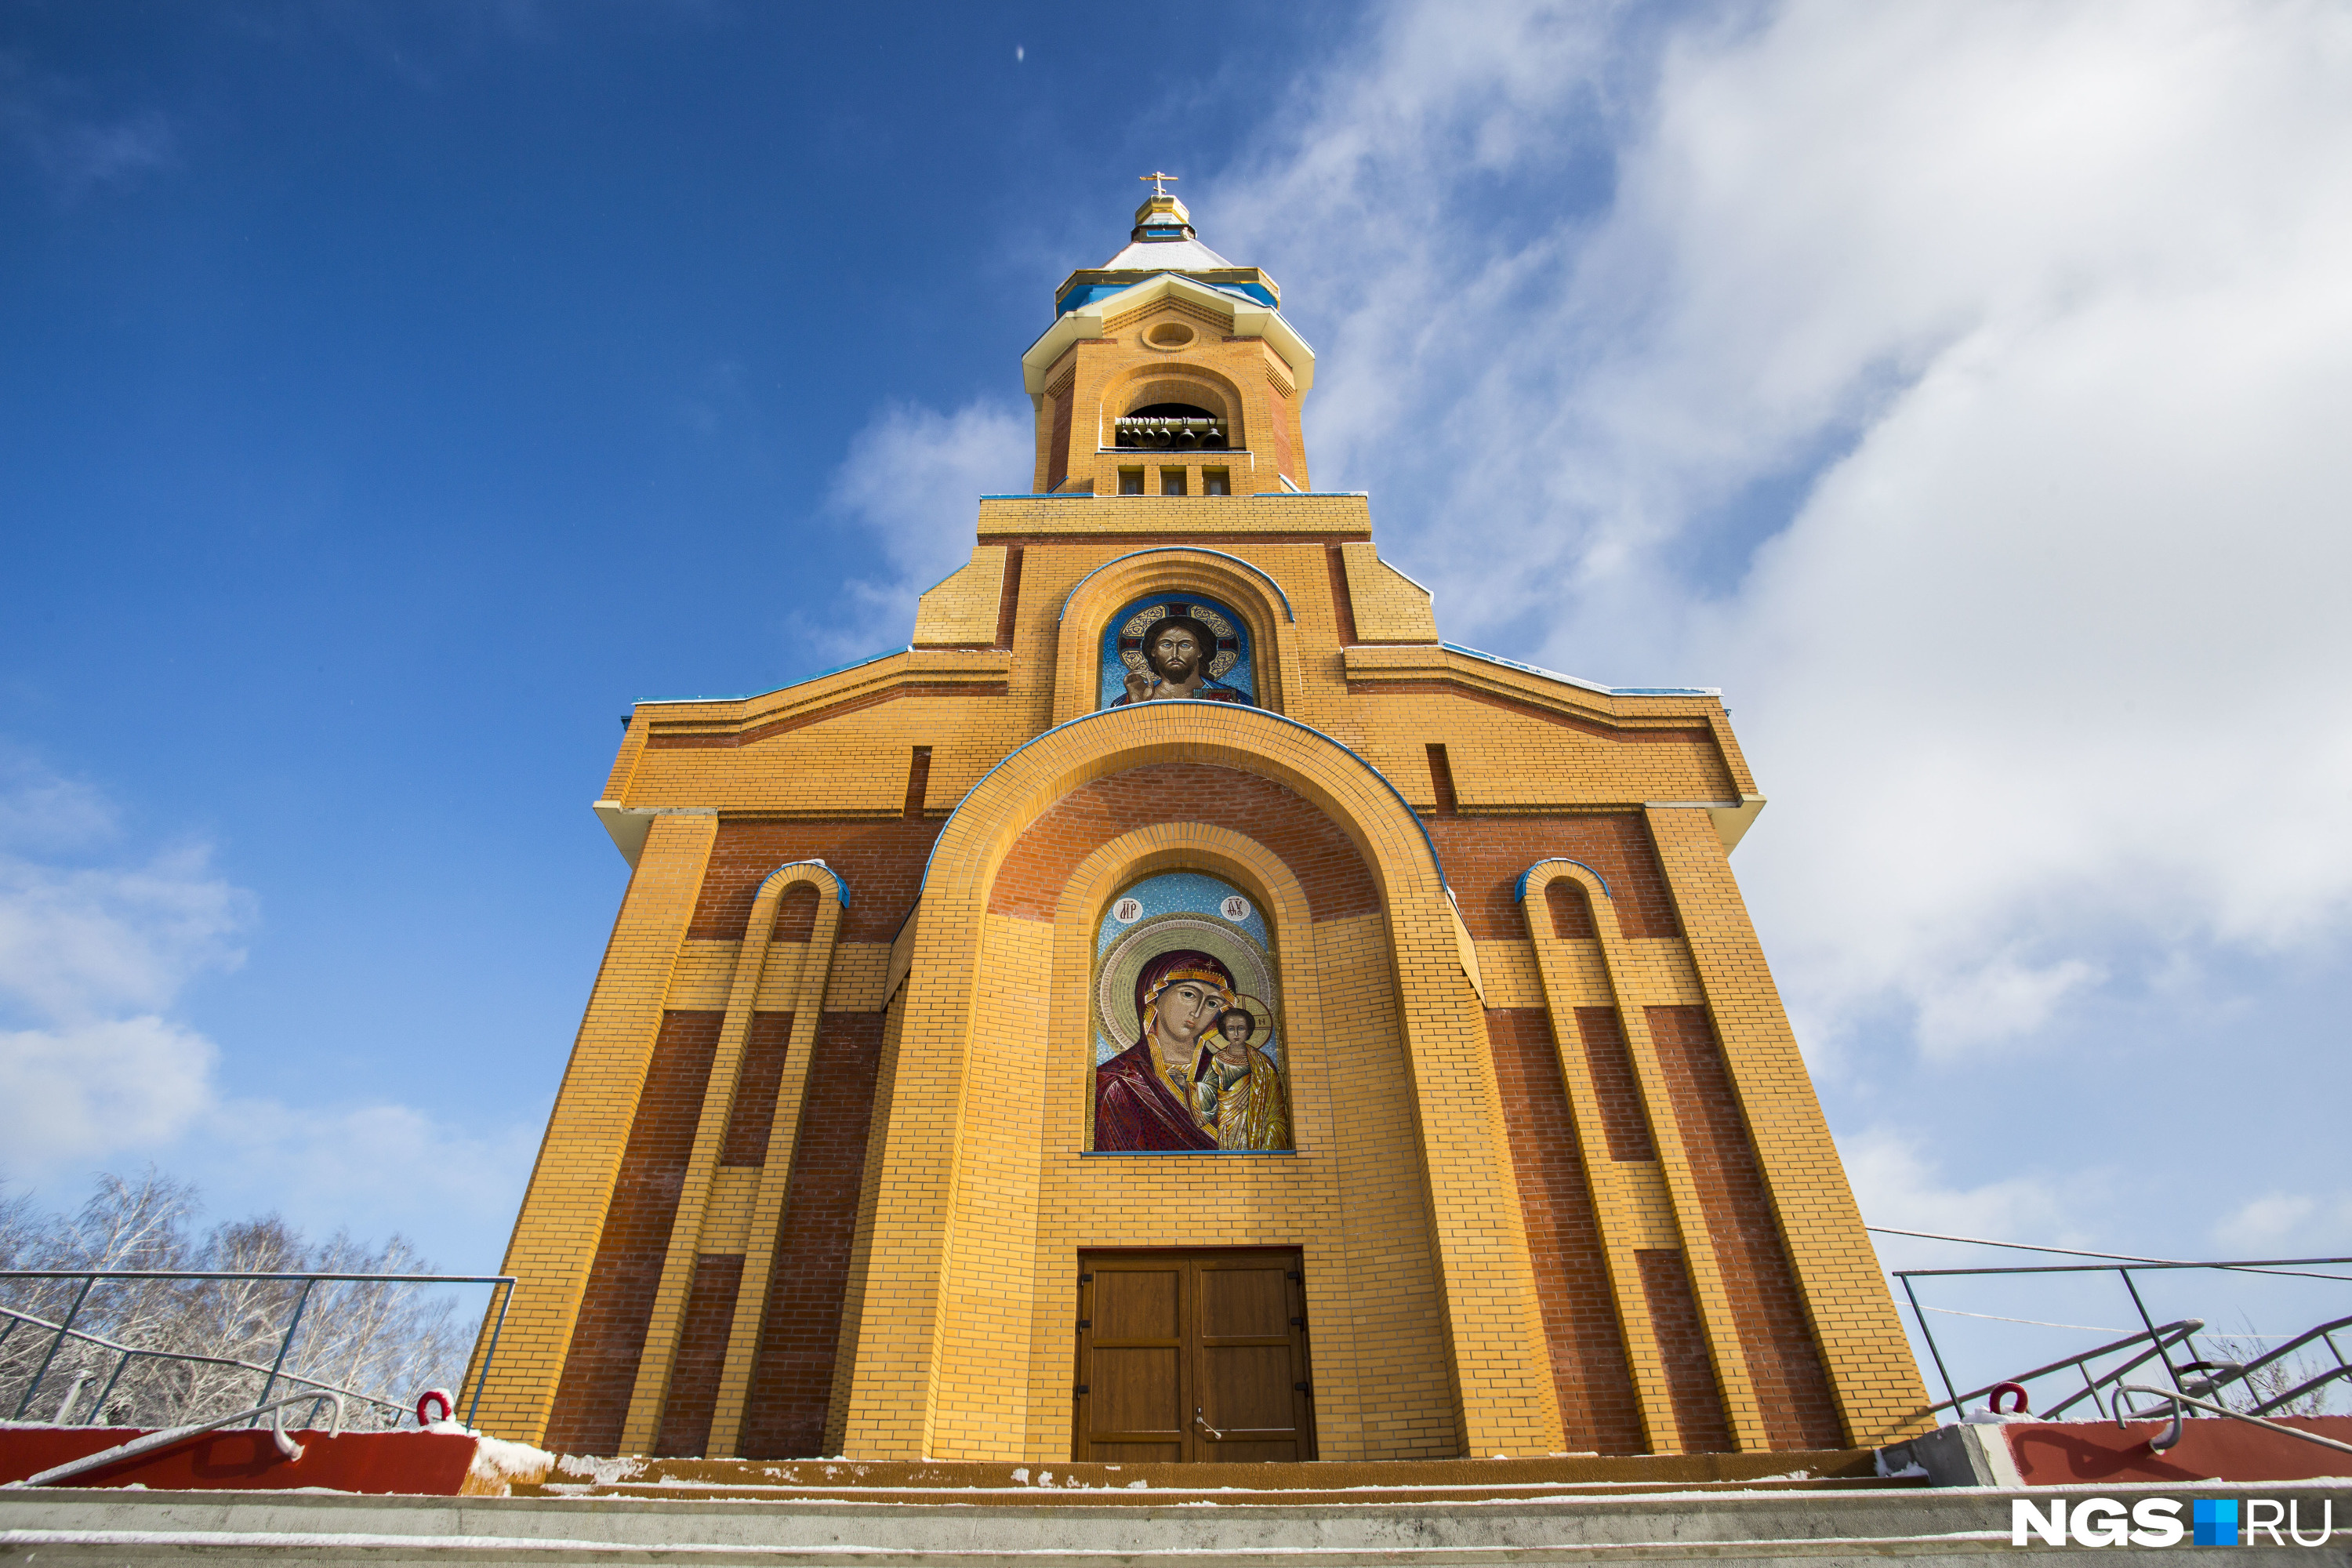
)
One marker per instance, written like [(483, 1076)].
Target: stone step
[(1095, 1485), (1942, 1526)]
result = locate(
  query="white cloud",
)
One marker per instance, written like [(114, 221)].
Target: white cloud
[(2036, 314), (912, 480), (96, 948), (374, 1169), (1899, 1184), (2267, 1218), (79, 942), (2002, 999), (93, 1090)]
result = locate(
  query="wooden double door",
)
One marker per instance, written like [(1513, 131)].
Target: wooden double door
[(1193, 1355)]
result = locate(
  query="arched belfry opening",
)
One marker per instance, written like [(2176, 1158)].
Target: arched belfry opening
[(1173, 427)]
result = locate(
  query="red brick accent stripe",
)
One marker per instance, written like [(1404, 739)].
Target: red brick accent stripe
[(881, 858), (685, 1430), (1628, 1130), (1598, 1408), (795, 913), (792, 1380), (754, 1113), (1572, 912), (1783, 1363), (1485, 855), (1323, 858), (1691, 1388), (600, 1370)]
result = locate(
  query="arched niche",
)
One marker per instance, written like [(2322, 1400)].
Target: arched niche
[(1241, 588), (953, 1137), (1173, 381)]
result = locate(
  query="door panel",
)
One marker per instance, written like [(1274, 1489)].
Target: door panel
[(1193, 1355), (1244, 1300), (1247, 1387), (1138, 1304), (1139, 1392)]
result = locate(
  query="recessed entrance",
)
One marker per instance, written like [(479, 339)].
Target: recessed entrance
[(1190, 1357)]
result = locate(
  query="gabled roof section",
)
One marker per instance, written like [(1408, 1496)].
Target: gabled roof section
[(1250, 319)]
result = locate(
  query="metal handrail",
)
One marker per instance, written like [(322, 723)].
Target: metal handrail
[(128, 1352), (306, 1279), (106, 1458), (2124, 1267), (2172, 1434), (2163, 1338), (2241, 1372)]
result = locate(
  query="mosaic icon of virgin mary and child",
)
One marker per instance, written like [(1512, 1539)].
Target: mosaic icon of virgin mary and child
[(1177, 650), (1200, 1074)]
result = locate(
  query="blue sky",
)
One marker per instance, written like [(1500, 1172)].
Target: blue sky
[(395, 392)]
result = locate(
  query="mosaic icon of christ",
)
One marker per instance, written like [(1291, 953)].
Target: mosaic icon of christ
[(1176, 654)]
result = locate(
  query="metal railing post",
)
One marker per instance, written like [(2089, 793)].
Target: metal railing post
[(1950, 1393), (285, 1342), (490, 1352), (2156, 1339), (55, 1345), (107, 1391)]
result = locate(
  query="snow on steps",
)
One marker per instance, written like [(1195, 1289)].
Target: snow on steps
[(1723, 1524)]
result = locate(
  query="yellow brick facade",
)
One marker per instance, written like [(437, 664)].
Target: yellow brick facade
[(922, 774)]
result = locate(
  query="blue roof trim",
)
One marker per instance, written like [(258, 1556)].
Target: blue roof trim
[(1578, 680), (1288, 613), (1404, 804), (1519, 893), (839, 880), (787, 686), (1087, 293), (1043, 495)]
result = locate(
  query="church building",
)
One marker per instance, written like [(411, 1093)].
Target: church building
[(1180, 1008)]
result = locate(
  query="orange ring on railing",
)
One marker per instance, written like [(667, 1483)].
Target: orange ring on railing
[(431, 1395), (1998, 1389)]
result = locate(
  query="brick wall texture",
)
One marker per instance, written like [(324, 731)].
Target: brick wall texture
[(792, 1381), (749, 1119), (1623, 1121), (1681, 1345), (702, 1356), (1598, 1412), (882, 862), (1307, 841), (1782, 1358), (600, 1370), (1571, 911), (1483, 858)]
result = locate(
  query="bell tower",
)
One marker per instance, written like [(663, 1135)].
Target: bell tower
[(1168, 371)]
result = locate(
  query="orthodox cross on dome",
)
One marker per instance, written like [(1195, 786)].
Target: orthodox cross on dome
[(1157, 187)]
